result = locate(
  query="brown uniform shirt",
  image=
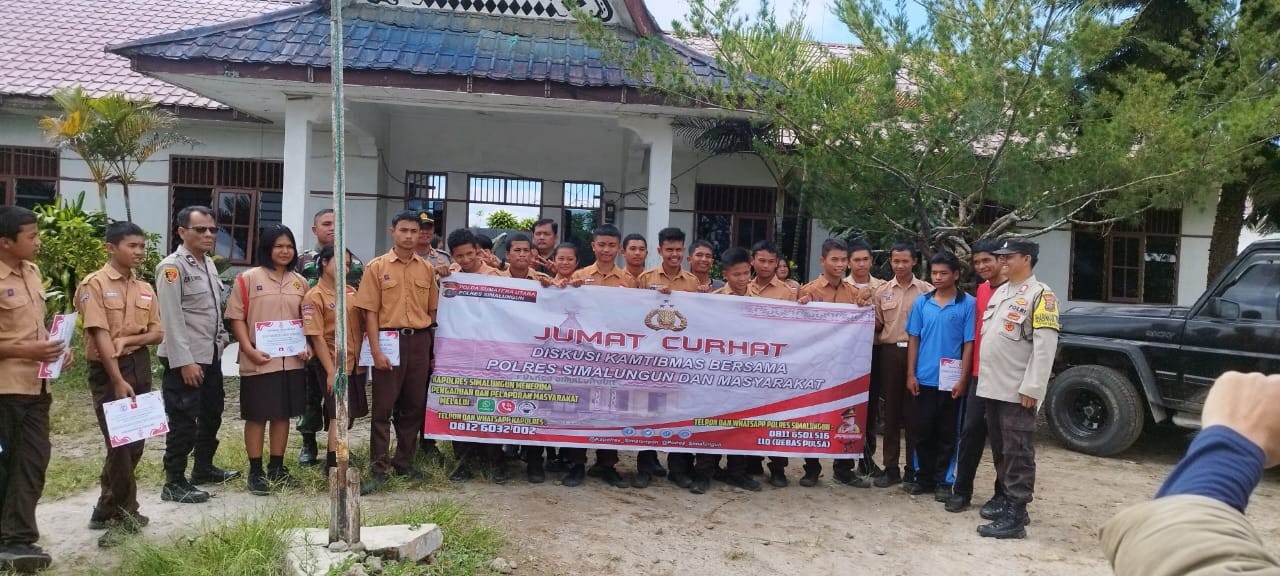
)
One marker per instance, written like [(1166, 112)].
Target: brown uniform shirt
[(534, 275), (121, 305), (617, 277), (320, 318), (402, 292), (820, 290), (22, 312), (775, 290), (893, 307), (269, 299), (726, 290), (683, 281)]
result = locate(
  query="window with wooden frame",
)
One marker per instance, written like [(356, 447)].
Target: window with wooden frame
[(426, 191), (486, 195), (246, 196), (728, 216), (1133, 263), (28, 176), (581, 216)]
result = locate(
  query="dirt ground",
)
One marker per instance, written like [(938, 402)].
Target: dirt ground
[(830, 529)]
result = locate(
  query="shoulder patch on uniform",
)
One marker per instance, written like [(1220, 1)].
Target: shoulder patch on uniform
[(170, 274), (1045, 314)]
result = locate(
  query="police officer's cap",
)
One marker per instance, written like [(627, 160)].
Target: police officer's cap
[(424, 218), (1018, 246)]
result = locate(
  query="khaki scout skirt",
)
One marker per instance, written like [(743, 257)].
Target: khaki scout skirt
[(275, 396)]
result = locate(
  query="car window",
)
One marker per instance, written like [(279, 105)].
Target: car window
[(1256, 289)]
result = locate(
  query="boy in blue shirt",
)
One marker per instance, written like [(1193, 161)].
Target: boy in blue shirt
[(939, 354)]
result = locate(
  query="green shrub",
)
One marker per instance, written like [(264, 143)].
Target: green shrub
[(70, 248)]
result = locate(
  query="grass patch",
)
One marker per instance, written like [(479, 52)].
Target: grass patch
[(255, 545)]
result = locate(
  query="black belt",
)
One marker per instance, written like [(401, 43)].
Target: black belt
[(408, 331)]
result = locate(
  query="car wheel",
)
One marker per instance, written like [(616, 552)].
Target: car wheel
[(1095, 410)]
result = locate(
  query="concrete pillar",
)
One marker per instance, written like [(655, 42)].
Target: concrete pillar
[(657, 133), (298, 117)]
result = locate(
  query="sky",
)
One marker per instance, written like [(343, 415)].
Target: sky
[(822, 23)]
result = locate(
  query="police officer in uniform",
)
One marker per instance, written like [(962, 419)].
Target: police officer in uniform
[(1019, 341), (191, 302)]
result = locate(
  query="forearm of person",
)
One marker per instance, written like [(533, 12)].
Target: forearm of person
[(13, 351), (1220, 464), (371, 331), (913, 351), (323, 355), (966, 361), (241, 332), (145, 339), (106, 353), (1035, 381)]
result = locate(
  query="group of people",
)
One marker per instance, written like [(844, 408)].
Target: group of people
[(925, 370)]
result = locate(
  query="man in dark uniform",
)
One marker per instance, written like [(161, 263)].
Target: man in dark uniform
[(191, 301), (312, 420), (399, 293)]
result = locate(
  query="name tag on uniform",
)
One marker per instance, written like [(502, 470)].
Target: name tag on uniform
[(902, 344)]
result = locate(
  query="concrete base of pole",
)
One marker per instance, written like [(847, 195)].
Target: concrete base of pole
[(309, 555)]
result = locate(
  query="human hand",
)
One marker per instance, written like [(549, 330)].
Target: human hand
[(576, 283), (538, 260), (68, 359), (122, 389), (120, 344), (259, 357), (961, 387), (1028, 402), (381, 362), (1250, 405), (546, 281), (305, 354), (45, 351), (913, 385), (664, 289), (192, 375), (328, 382), (804, 299), (443, 270), (704, 288)]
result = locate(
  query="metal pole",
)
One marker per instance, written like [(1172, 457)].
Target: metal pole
[(344, 509)]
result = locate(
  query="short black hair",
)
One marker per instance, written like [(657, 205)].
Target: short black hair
[(410, 215), (118, 231), (988, 245), (555, 228), (323, 257), (633, 237), (734, 256), (834, 244), (322, 212), (907, 247), (566, 246), (858, 246), (484, 242), (606, 230), (12, 219), (267, 242), (183, 219), (947, 259), (460, 237), (764, 246), (670, 235), (519, 237), (702, 244)]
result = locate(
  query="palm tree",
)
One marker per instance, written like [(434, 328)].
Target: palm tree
[(76, 130)]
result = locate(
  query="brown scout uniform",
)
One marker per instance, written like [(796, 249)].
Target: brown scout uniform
[(893, 307), (617, 277), (403, 292), (774, 290), (275, 390), (24, 405), (683, 281), (532, 274), (122, 306), (822, 290), (320, 318)]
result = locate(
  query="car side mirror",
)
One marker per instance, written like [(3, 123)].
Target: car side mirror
[(1226, 309)]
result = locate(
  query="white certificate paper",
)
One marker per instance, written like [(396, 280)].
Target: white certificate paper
[(948, 374), (280, 338), (62, 328), (388, 341), (132, 419)]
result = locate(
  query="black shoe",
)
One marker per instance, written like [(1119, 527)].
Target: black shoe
[(958, 503), (810, 478), (258, 484), (743, 481), (657, 470), (431, 452), (596, 470), (867, 467), (307, 456), (887, 480), (611, 477), (461, 474), (210, 474), (755, 467), (859, 481), (281, 477), (23, 558), (535, 474), (183, 492), (500, 474), (700, 485), (909, 476), (411, 474), (555, 466), (842, 476), (680, 479), (778, 479), (373, 483), (641, 479), (574, 476), (1011, 526), (129, 522), (994, 508), (510, 451), (113, 537), (917, 489), (942, 493)]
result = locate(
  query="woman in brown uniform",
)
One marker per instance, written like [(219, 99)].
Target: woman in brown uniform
[(271, 388), (319, 323)]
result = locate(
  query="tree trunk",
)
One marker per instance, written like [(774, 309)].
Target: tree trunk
[(128, 207), (1228, 220), (102, 197)]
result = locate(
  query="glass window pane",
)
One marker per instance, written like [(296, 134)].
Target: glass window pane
[(1088, 273), (1256, 291), (750, 231), (31, 193), (1160, 270), (577, 229), (716, 229)]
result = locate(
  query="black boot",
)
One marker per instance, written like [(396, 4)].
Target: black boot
[(207, 473), (810, 478), (994, 508), (574, 476), (700, 484), (958, 503), (1013, 525), (307, 457), (179, 490), (535, 474), (778, 478), (23, 558), (611, 477)]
